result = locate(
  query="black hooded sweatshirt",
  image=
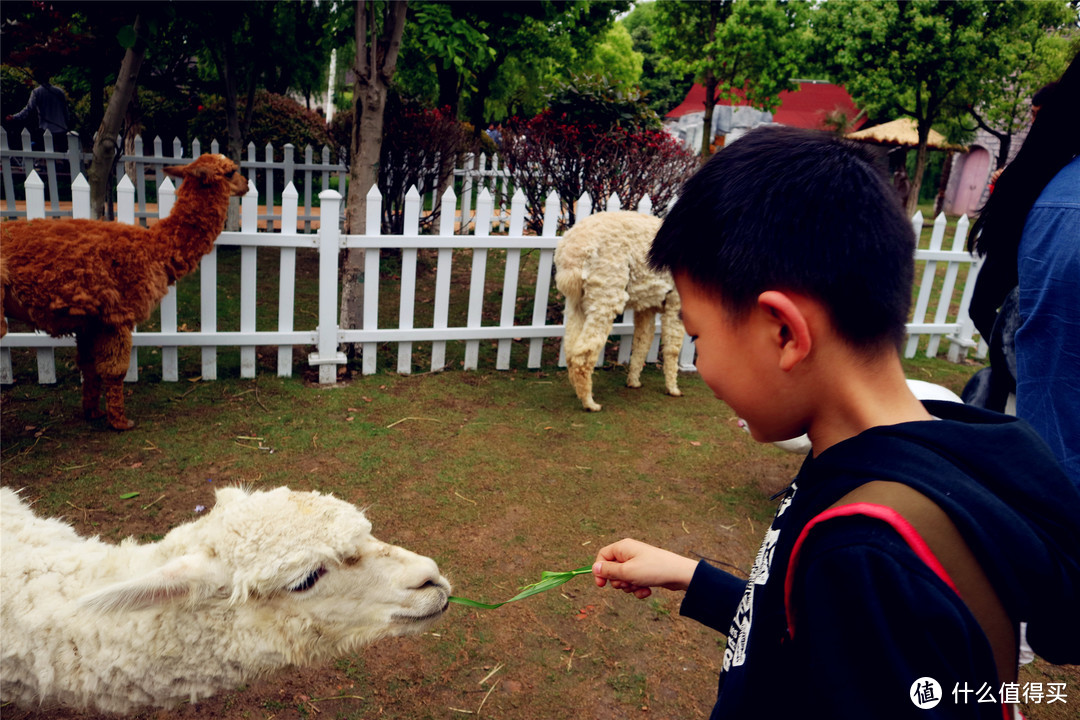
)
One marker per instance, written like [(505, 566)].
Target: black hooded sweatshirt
[(873, 617)]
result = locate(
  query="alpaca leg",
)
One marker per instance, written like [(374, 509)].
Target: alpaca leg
[(582, 354), (112, 352), (575, 321), (671, 337), (91, 381), (644, 329)]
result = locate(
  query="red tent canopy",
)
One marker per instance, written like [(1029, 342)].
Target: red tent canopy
[(806, 107)]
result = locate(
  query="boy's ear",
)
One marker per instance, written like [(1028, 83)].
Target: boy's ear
[(790, 326)]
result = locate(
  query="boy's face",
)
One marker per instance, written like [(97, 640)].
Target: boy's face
[(737, 359)]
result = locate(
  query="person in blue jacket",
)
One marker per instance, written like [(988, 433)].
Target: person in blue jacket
[(794, 263), (1029, 235)]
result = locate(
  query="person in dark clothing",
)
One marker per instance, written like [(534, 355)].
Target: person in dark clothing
[(49, 104), (916, 537), (1026, 302)]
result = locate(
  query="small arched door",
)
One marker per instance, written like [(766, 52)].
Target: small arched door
[(973, 180)]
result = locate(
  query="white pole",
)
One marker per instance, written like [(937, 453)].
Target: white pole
[(330, 87)]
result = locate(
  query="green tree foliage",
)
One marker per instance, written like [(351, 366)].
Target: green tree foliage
[(1035, 52), (753, 47), (663, 89), (489, 60), (615, 59), (923, 59)]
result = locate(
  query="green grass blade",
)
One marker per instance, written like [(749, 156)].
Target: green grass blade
[(547, 581)]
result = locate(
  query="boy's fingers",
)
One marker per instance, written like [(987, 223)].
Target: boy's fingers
[(607, 570)]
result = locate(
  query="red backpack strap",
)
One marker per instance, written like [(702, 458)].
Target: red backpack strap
[(933, 537), (879, 512)]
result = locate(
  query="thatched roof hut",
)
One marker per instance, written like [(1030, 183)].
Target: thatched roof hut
[(903, 132)]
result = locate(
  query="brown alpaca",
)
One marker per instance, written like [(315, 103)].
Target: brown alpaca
[(96, 279)]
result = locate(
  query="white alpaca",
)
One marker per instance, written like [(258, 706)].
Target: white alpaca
[(920, 388), (263, 581), (601, 266)]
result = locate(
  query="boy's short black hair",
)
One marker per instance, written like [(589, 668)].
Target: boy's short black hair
[(798, 211)]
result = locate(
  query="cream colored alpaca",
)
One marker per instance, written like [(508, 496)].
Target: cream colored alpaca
[(601, 266)]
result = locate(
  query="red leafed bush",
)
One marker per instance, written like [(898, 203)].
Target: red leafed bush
[(555, 152), (420, 148)]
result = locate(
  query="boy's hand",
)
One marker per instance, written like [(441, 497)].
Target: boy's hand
[(634, 567)]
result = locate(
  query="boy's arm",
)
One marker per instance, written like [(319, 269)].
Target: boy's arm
[(872, 619), (713, 597)]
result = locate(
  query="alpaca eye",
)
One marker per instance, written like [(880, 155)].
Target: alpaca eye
[(309, 581), (230, 174)]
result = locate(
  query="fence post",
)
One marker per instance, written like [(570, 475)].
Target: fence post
[(170, 361), (471, 161), (35, 209), (80, 198), (269, 187), (249, 225), (442, 278), (584, 207), (35, 196), (543, 277), (951, 271), (476, 285), (964, 338), (510, 277), (208, 298), (8, 178), (372, 228), (924, 287), (125, 213), (407, 304), (309, 184), (290, 199), (327, 356), (74, 154), (50, 174)]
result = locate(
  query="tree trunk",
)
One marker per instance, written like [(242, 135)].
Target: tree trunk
[(920, 167), (710, 103), (946, 172), (376, 58), (449, 88), (105, 143), (1004, 147)]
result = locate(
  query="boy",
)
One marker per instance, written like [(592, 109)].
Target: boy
[(794, 264)]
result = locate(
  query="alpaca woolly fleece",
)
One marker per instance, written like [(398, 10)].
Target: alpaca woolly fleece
[(602, 268), (266, 579)]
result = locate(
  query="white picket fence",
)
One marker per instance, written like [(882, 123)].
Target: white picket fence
[(310, 170), (327, 337)]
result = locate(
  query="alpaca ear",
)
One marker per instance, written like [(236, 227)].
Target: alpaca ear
[(195, 171), (227, 495), (189, 576)]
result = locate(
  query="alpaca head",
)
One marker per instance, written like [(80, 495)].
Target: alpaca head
[(210, 172), (296, 575)]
